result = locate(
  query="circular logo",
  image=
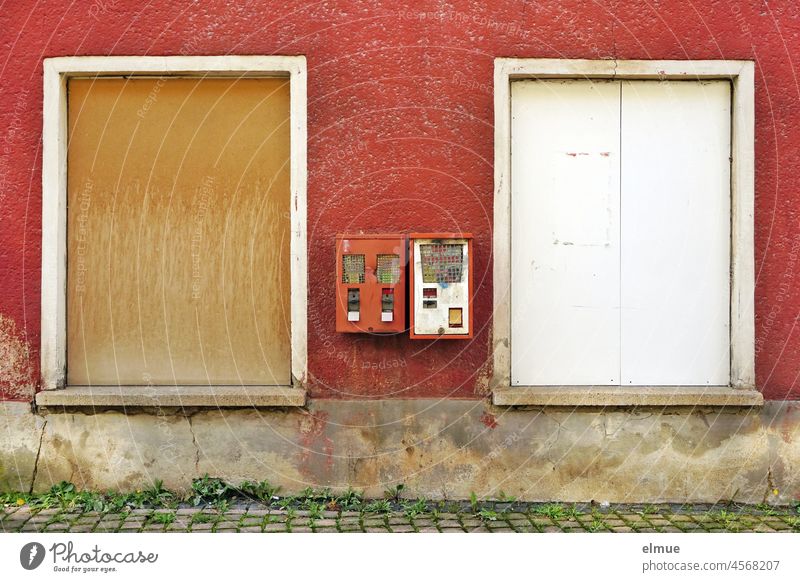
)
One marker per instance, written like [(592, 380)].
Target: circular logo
[(31, 555)]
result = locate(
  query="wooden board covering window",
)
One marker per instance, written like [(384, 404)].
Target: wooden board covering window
[(178, 231)]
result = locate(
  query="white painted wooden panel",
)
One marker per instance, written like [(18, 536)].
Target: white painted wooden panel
[(565, 322), (675, 232)]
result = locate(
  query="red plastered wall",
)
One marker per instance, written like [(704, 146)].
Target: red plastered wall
[(400, 138)]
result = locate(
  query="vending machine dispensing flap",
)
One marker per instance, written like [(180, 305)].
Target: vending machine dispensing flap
[(371, 283), (441, 285)]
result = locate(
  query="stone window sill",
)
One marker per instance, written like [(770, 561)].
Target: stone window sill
[(626, 396), (173, 396)]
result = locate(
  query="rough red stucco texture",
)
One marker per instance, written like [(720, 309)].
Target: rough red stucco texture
[(400, 138)]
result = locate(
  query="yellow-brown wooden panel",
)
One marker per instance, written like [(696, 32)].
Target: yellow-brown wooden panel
[(178, 227)]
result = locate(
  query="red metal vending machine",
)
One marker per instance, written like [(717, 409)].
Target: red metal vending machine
[(371, 283)]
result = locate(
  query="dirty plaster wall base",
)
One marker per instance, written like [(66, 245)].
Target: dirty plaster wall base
[(439, 449)]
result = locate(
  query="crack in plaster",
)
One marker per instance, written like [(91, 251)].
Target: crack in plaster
[(196, 446), (36, 462)]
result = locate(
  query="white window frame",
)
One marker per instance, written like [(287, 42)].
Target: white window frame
[(57, 72), (741, 389)]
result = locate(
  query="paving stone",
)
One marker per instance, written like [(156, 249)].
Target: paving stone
[(302, 529), (249, 517), (373, 529), (273, 527)]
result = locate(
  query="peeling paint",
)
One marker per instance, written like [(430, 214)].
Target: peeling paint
[(313, 442), (15, 369), (488, 420)]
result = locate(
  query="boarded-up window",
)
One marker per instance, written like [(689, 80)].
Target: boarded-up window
[(178, 225), (621, 238)]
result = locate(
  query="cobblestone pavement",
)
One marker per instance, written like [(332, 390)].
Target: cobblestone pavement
[(253, 517)]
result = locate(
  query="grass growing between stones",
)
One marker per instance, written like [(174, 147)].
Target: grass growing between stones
[(213, 504)]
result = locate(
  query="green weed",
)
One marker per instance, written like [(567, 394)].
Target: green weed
[(552, 510), (415, 508), (378, 506), (163, 518)]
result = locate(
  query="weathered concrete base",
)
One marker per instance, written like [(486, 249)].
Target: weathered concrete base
[(438, 448), (20, 437)]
